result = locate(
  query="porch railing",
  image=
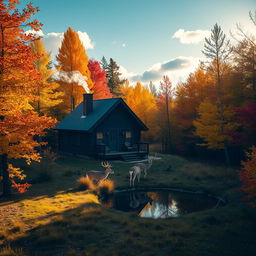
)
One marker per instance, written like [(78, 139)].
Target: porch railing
[(141, 147)]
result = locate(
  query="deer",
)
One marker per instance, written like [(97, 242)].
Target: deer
[(136, 170), (98, 176), (144, 167)]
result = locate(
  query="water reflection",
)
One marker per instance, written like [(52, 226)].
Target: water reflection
[(160, 204)]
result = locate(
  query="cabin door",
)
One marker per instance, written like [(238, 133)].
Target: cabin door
[(113, 140)]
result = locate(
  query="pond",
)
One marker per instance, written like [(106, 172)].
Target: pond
[(162, 203)]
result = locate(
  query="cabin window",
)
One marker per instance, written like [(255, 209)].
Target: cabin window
[(99, 135), (128, 134)]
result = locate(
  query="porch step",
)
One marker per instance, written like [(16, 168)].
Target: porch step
[(132, 157)]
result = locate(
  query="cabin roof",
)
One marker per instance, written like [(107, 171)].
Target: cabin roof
[(101, 109)]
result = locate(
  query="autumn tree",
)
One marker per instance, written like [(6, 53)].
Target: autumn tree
[(143, 103), (248, 176), (188, 96), (100, 81), (245, 136), (164, 103), (244, 54), (73, 61), (209, 122), (46, 95), (19, 124), (113, 76), (217, 49)]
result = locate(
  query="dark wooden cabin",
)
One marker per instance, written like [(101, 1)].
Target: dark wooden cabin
[(105, 129)]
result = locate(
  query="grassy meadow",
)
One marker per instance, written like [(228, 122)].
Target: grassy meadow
[(55, 218)]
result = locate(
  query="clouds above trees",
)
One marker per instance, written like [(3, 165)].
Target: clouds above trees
[(52, 41), (177, 68), (191, 37)]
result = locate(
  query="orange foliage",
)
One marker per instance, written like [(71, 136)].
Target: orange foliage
[(248, 176), (19, 77), (72, 57), (143, 103)]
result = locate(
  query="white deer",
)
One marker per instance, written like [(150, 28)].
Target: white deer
[(97, 176), (136, 170), (144, 167)]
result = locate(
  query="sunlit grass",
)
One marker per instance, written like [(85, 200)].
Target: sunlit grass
[(40, 207), (84, 183), (56, 219), (105, 187), (8, 251)]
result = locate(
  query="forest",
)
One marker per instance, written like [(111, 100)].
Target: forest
[(210, 117)]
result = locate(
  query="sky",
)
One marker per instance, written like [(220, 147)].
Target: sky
[(147, 38)]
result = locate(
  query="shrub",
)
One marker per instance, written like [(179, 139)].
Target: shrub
[(8, 251), (248, 176), (105, 187), (85, 183)]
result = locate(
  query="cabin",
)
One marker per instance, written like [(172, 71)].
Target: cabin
[(104, 129)]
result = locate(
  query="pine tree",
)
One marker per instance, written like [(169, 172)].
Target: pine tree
[(104, 63), (152, 88), (71, 58), (46, 95), (113, 76), (216, 48)]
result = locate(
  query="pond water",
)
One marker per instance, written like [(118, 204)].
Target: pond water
[(161, 204)]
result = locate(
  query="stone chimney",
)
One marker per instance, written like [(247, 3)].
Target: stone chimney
[(87, 104)]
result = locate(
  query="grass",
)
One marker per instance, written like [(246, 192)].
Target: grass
[(54, 218), (84, 183)]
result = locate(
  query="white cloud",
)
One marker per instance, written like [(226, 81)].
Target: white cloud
[(177, 69), (53, 40), (123, 45), (191, 37)]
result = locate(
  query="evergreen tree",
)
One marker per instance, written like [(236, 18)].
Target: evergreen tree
[(217, 49), (152, 88), (104, 63), (113, 76)]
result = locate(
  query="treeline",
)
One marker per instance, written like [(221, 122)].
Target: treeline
[(213, 113), (210, 115)]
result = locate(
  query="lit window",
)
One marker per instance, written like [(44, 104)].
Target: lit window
[(99, 135), (128, 134)]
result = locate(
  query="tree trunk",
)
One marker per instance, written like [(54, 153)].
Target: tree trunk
[(168, 124), (220, 103), (5, 172)]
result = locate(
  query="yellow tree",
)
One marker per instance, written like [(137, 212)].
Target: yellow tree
[(208, 125), (143, 103), (189, 95), (46, 95), (73, 61)]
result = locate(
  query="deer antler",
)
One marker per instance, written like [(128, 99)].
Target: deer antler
[(106, 165)]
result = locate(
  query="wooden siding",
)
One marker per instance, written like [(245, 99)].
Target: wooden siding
[(113, 127)]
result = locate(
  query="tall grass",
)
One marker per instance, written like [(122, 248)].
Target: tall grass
[(105, 187), (8, 251), (84, 183)]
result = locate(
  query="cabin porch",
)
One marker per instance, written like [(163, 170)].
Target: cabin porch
[(135, 152)]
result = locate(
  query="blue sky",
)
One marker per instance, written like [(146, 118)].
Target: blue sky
[(138, 34)]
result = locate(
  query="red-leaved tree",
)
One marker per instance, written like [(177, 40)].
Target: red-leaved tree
[(248, 176), (19, 123), (98, 76)]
